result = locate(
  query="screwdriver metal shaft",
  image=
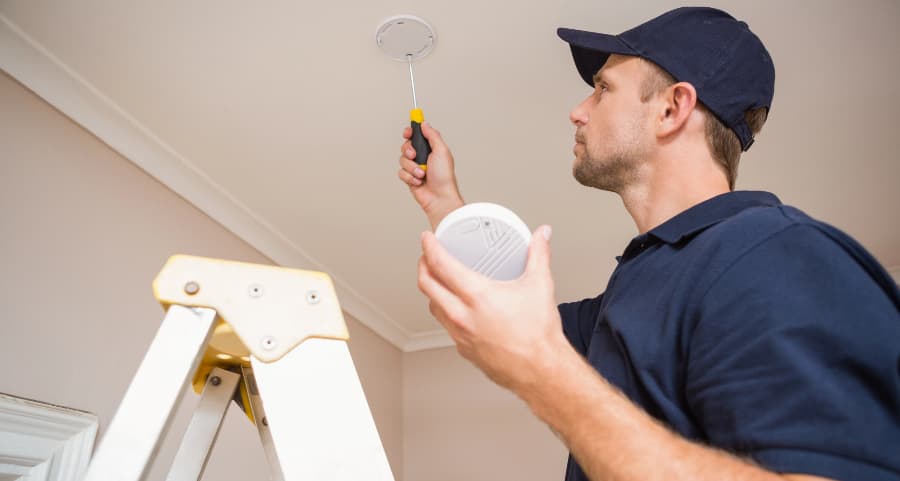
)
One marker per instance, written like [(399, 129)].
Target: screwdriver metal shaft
[(412, 80), (416, 117)]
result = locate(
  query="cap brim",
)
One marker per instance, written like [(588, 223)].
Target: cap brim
[(590, 50)]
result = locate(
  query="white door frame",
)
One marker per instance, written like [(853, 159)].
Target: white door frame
[(43, 442)]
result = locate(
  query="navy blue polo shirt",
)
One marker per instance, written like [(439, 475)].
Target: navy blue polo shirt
[(745, 324)]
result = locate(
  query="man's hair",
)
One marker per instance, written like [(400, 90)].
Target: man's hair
[(724, 144)]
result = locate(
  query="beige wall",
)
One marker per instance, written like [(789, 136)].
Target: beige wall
[(83, 234), (460, 426)]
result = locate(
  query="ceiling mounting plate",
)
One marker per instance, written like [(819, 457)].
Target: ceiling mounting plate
[(403, 36)]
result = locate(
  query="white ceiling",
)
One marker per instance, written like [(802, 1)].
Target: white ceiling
[(282, 120)]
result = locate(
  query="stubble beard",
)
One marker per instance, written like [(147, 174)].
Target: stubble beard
[(612, 172), (616, 170)]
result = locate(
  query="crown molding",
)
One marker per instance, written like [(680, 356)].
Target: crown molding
[(39, 70), (428, 340)]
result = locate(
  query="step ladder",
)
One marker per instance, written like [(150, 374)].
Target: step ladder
[(272, 339)]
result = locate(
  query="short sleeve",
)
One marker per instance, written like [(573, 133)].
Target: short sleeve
[(578, 319), (795, 361)]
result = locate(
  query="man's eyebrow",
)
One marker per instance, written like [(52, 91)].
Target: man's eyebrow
[(599, 77)]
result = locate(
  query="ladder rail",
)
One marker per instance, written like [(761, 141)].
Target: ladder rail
[(132, 439)]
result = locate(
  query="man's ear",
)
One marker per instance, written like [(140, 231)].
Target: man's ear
[(679, 101)]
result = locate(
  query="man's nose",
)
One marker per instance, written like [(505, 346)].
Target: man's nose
[(579, 115)]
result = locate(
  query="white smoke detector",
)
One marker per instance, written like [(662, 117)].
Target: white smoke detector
[(487, 238), (405, 37)]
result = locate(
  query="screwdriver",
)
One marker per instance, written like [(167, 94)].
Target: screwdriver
[(416, 117)]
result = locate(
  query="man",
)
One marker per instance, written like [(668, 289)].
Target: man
[(737, 339)]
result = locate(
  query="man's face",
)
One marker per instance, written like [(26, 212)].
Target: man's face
[(612, 125)]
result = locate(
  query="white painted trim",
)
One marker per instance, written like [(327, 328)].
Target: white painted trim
[(39, 70), (428, 340), (41, 441)]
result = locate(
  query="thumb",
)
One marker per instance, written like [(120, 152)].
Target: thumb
[(539, 251), (434, 137)]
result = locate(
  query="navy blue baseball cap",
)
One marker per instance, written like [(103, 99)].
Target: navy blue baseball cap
[(725, 62)]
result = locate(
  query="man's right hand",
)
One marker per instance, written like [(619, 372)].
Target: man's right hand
[(436, 192)]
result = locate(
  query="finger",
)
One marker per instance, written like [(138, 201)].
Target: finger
[(442, 300), (458, 279), (412, 167), (408, 178), (407, 150), (539, 251), (407, 132), (451, 326)]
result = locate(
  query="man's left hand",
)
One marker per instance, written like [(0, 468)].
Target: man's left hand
[(511, 330)]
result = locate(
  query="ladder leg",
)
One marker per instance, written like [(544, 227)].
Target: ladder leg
[(321, 425), (132, 439), (196, 446), (262, 424)]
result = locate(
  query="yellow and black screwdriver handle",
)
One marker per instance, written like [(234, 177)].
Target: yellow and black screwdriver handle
[(419, 142)]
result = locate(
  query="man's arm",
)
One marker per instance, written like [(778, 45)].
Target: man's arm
[(511, 331), (436, 191), (612, 439)]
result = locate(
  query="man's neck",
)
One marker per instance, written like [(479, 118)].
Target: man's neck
[(669, 189)]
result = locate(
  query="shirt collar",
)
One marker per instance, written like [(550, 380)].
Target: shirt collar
[(709, 213)]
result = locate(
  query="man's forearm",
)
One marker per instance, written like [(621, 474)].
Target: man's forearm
[(612, 439)]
